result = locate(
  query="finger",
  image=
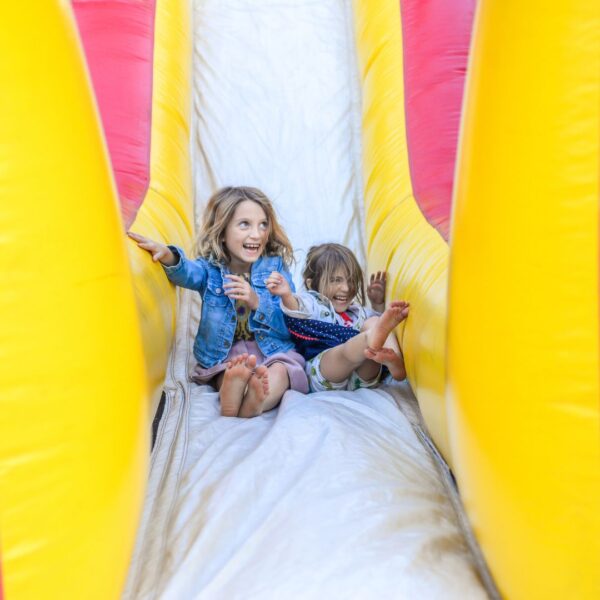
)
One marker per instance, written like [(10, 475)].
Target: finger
[(146, 245), (234, 285), (135, 236)]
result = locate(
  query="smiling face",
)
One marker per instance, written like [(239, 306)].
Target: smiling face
[(246, 235), (339, 290)]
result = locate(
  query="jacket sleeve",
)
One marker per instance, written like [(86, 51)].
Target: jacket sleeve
[(268, 317), (308, 307), (187, 273)]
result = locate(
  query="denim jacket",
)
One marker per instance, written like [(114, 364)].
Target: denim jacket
[(219, 319)]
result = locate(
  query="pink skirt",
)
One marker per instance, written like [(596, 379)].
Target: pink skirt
[(293, 362)]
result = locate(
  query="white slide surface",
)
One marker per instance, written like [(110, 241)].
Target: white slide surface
[(331, 495)]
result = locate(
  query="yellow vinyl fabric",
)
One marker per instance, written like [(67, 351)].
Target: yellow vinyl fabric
[(74, 426), (400, 240), (167, 211), (523, 327)]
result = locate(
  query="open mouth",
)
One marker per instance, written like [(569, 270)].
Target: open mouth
[(340, 298), (251, 247)]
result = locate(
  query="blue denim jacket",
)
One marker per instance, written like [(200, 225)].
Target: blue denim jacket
[(219, 319)]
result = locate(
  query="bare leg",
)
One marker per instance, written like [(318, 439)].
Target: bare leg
[(369, 368), (256, 401), (390, 355), (338, 363), (234, 383)]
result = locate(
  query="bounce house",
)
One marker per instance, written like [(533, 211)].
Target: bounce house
[(452, 143)]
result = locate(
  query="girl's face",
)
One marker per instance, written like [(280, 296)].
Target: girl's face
[(339, 290), (246, 235)]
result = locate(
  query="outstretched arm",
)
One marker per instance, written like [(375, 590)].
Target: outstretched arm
[(181, 271), (376, 290), (159, 251)]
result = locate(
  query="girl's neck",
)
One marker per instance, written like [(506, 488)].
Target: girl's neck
[(239, 268)]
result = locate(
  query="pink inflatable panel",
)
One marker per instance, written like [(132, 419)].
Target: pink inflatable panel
[(436, 38), (118, 39)]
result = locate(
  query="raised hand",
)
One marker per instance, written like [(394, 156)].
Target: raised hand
[(278, 285), (238, 288), (159, 251), (376, 290)]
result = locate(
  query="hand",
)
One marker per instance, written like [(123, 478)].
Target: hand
[(278, 285), (239, 289), (376, 290), (157, 250)]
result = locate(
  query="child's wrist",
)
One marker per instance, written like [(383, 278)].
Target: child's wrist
[(170, 261), (289, 301)]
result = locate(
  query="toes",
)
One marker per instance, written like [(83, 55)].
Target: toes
[(261, 371), (251, 361)]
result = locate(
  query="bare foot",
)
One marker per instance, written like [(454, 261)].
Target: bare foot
[(238, 373), (389, 319), (393, 361), (258, 388)]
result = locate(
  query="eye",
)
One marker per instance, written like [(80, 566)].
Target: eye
[(243, 224), (264, 225)]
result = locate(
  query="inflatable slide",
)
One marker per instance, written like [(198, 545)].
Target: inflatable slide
[(454, 144)]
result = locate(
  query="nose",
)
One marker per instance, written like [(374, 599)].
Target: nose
[(344, 287)]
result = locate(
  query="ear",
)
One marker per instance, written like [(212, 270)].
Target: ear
[(309, 284)]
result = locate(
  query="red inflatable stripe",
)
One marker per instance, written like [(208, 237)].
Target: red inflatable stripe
[(118, 40), (436, 37)]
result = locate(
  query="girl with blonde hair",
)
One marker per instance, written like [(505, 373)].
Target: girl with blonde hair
[(242, 345)]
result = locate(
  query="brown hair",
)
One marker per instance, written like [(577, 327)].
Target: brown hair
[(324, 260), (217, 215)]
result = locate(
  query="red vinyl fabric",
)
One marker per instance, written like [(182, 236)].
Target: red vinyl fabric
[(118, 39), (436, 38)]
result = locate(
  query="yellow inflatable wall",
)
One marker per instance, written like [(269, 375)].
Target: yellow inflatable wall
[(523, 329), (82, 369), (73, 433), (517, 412)]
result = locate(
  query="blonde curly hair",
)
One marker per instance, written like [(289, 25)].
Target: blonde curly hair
[(219, 212)]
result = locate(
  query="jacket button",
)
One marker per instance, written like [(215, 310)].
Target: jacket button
[(218, 290), (261, 317)]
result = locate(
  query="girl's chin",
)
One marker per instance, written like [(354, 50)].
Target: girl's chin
[(340, 308)]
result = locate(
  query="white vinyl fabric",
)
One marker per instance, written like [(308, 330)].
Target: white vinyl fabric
[(276, 106), (332, 495)]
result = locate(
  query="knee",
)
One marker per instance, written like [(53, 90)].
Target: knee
[(278, 372)]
